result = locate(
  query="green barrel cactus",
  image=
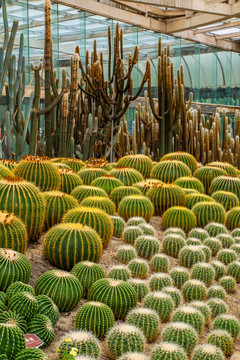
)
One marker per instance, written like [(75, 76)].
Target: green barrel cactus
[(175, 230), (2, 297), (204, 272), (193, 241), (57, 205), (229, 323), (118, 226), (123, 338), (233, 270), (69, 180), (18, 286), (141, 288), (217, 291), (99, 163), (119, 272), (118, 295), (182, 334), (226, 240), (190, 255), (207, 252), (61, 166), (228, 283), (185, 157), (214, 229), (131, 233), (207, 212), (219, 268), (222, 339), (31, 354), (159, 281), (139, 162), (207, 352), (133, 356), (13, 233), (146, 320), (40, 171), (191, 316), (66, 244), (161, 302), (84, 191), (100, 202), (12, 340), (75, 164), (88, 273), (95, 218), (15, 191), (218, 307), (14, 266), (47, 307), (126, 253), (147, 229), (126, 175), (25, 304), (95, 317), (190, 191), (164, 196), (214, 245), (147, 246), (193, 199), (226, 256), (169, 171), (233, 218), (236, 232), (145, 185), (226, 183), (227, 199), (159, 263), (179, 276), (168, 351), (85, 342), (88, 174), (135, 221), (172, 244), (206, 174), (181, 217), (190, 182), (237, 240), (2, 307), (136, 205), (120, 192), (12, 317), (236, 248), (175, 294), (194, 290), (62, 287), (230, 169), (204, 309), (139, 268), (10, 164), (41, 326), (198, 233), (107, 182)]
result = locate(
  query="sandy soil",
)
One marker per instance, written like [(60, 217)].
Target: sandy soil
[(67, 320)]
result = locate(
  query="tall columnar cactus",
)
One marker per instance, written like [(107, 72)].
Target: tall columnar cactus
[(135, 205), (100, 202), (13, 234), (69, 180), (190, 183), (13, 340), (222, 339), (127, 175), (41, 326), (31, 354), (24, 304), (168, 350), (195, 198), (179, 275), (139, 268), (94, 218), (140, 286), (147, 246), (62, 287), (207, 212), (226, 183), (185, 157), (170, 170), (138, 162), (146, 320), (88, 174), (208, 352), (181, 217), (204, 272), (47, 307), (14, 191), (206, 174), (227, 199), (120, 192), (161, 302), (14, 267), (107, 182), (118, 226), (191, 316), (84, 191), (215, 229), (233, 218), (194, 290), (172, 244), (85, 342), (66, 244)]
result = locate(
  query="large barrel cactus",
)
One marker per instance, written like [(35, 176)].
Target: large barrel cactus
[(100, 202), (75, 164), (84, 191), (128, 176), (207, 212), (136, 205), (12, 340), (185, 157), (139, 162), (206, 174), (13, 233), (107, 182), (69, 180), (180, 217), (120, 192), (170, 170), (226, 183)]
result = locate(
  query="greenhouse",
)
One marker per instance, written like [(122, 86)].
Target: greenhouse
[(119, 179)]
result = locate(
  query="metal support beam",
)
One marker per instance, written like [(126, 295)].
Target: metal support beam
[(217, 27)]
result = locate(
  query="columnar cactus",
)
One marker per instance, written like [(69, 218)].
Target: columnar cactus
[(118, 226), (95, 317), (131, 233), (66, 244), (161, 302), (126, 253), (136, 220), (75, 164), (204, 309), (182, 334), (219, 268), (147, 246), (208, 352), (40, 171), (179, 276), (47, 307), (234, 270), (233, 218), (190, 255), (31, 354), (119, 272), (179, 217), (139, 162), (207, 212), (190, 183), (14, 266), (15, 191), (194, 290), (159, 263), (164, 196), (120, 192), (217, 291), (147, 229), (228, 283), (170, 170), (13, 234), (175, 294), (18, 286), (227, 199), (12, 317), (218, 307), (57, 205), (214, 245), (175, 230), (84, 191), (141, 288), (226, 240), (41, 326), (24, 304), (226, 256), (168, 350), (191, 316), (107, 182), (159, 281), (229, 323), (215, 229), (185, 157), (226, 183), (145, 185), (88, 273), (222, 339), (69, 180), (206, 174), (123, 338), (85, 342), (88, 174), (195, 198), (146, 320), (62, 287), (118, 295), (95, 218), (204, 272), (172, 244), (136, 205), (139, 268), (127, 175), (13, 340)]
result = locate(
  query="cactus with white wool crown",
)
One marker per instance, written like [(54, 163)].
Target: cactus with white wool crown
[(217, 291), (226, 256), (222, 339), (236, 232), (219, 267), (135, 221), (169, 351), (175, 230), (226, 240), (215, 229), (119, 272), (172, 244), (218, 307), (179, 276), (146, 320), (13, 233), (228, 283), (147, 229), (204, 272), (190, 255), (118, 226), (147, 246), (194, 290), (234, 270), (214, 245), (139, 268), (131, 233), (140, 286), (159, 281), (229, 323), (191, 316), (175, 294), (208, 352), (193, 241), (136, 205), (199, 233), (204, 309), (126, 253), (159, 263), (161, 302), (134, 356)]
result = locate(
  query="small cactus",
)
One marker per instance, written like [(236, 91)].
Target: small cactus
[(169, 171), (227, 199), (217, 291), (214, 245), (207, 212), (204, 309), (84, 191), (139, 268), (219, 268), (146, 320), (194, 290), (203, 272), (218, 306), (207, 352), (13, 233), (31, 354), (168, 351), (222, 339), (236, 232), (175, 294), (69, 180), (136, 205), (229, 323), (175, 230), (120, 192), (172, 244), (234, 270), (191, 316), (226, 240), (127, 175), (126, 253), (85, 342), (147, 246), (179, 276), (159, 281), (147, 229), (134, 356), (131, 233), (233, 218), (119, 272), (161, 302), (13, 340), (25, 304), (193, 241), (179, 217), (100, 202), (228, 283), (141, 288), (226, 256), (190, 255), (107, 182), (118, 226), (12, 317), (236, 248), (159, 263), (199, 233), (47, 307), (215, 229), (136, 220), (41, 326)]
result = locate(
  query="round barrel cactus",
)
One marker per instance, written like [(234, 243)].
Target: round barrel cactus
[(234, 270), (31, 354), (236, 232), (146, 320), (14, 266), (181, 217), (230, 169), (131, 233), (133, 356), (218, 307), (233, 218), (25, 304), (217, 291), (228, 283), (47, 307), (175, 230), (207, 252), (95, 218), (66, 244), (15, 191), (5, 172), (161, 302), (204, 309), (119, 272), (196, 198), (190, 255), (214, 244), (159, 281), (127, 175), (207, 212), (139, 268), (120, 192), (206, 174), (227, 199), (159, 263), (229, 323), (194, 290), (226, 240), (139, 162), (118, 226), (100, 202), (41, 326), (136, 205), (226, 256), (145, 185), (226, 183), (170, 170), (75, 164), (179, 276), (13, 233), (207, 352), (147, 229), (85, 343), (88, 174), (168, 350), (198, 233), (135, 221), (69, 180), (193, 241), (12, 340), (62, 287), (140, 286), (147, 246), (222, 339), (95, 317), (185, 157), (191, 316), (215, 229), (84, 191), (219, 268), (126, 253), (8, 163), (107, 182), (204, 272), (118, 295), (12, 317), (18, 286), (175, 294), (190, 182), (236, 248)]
